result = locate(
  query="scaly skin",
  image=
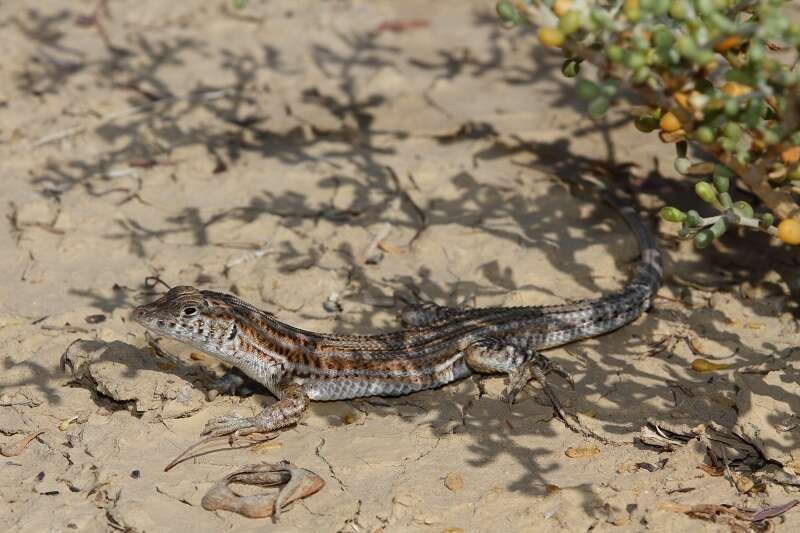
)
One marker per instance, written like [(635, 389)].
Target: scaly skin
[(443, 345)]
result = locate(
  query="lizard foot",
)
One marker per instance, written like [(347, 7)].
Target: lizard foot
[(287, 411), (537, 367), (417, 312), (230, 384)]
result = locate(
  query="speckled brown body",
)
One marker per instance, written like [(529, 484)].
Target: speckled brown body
[(446, 344)]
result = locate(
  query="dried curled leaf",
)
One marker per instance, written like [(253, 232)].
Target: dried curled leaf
[(714, 471), (295, 483)]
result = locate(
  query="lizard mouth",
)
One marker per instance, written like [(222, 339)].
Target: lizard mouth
[(141, 315)]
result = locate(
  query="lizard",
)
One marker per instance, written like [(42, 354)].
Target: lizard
[(439, 344)]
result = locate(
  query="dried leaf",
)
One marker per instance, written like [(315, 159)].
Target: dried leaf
[(744, 484), (772, 512), (581, 452), (674, 507), (349, 418), (715, 471), (552, 489), (390, 248), (704, 365), (12, 449), (265, 446), (701, 169), (66, 423), (673, 136)]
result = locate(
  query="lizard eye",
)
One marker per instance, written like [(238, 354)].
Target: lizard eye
[(189, 311)]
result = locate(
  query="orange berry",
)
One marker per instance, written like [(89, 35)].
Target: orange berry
[(669, 122), (682, 99), (560, 7), (550, 36), (789, 231), (727, 43), (733, 89), (791, 155)]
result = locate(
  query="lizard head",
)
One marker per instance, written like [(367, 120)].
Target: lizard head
[(182, 314)]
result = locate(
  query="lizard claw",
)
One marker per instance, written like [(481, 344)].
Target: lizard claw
[(537, 368), (226, 425)]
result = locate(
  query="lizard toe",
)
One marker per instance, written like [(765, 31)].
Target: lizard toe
[(225, 425)]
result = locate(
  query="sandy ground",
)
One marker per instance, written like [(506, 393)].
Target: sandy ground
[(313, 160)]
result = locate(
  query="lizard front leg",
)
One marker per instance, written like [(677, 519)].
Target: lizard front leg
[(417, 312), (514, 357), (292, 404)]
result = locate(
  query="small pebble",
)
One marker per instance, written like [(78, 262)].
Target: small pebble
[(454, 482), (95, 319)]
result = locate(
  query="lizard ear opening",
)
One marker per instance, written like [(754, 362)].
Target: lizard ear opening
[(189, 311)]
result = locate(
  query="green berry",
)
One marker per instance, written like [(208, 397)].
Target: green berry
[(507, 12), (686, 46), (704, 135), (641, 75), (679, 9), (634, 60), (570, 22), (682, 165), (587, 90), (721, 183), (646, 123), (706, 192), (614, 53), (771, 137), (571, 68), (663, 38), (672, 214), (703, 239), (719, 228), (598, 107), (722, 171), (731, 107), (693, 218), (732, 131), (743, 209), (755, 53), (601, 18), (704, 6), (609, 88), (660, 7), (727, 145)]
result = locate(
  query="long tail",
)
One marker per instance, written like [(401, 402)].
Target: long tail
[(649, 273)]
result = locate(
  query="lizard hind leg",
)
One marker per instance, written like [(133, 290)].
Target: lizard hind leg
[(289, 409), (521, 363)]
